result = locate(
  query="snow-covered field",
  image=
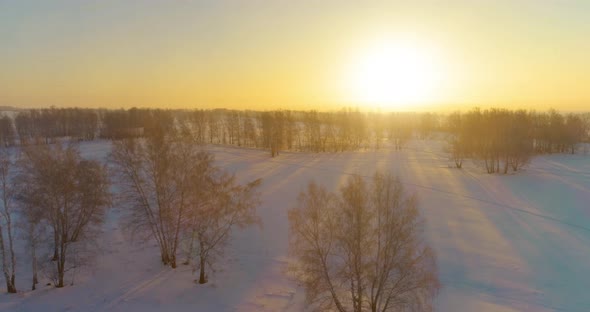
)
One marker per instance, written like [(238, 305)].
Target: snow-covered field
[(504, 243)]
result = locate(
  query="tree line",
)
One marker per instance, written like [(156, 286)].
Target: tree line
[(507, 139), (501, 138), (309, 131), (37, 126)]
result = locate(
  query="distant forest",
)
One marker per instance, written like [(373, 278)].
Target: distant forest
[(502, 139)]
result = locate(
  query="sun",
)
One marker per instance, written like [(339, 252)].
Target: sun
[(395, 75)]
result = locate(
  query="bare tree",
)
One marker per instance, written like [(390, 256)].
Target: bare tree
[(272, 125), (198, 121), (313, 240), (7, 132), (574, 131), (218, 205), (71, 192), (500, 138), (155, 176), (362, 250), (33, 230), (250, 135), (176, 195), (6, 225)]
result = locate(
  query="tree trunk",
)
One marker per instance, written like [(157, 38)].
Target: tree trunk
[(173, 261), (202, 278), (12, 254), (35, 279), (165, 259), (506, 163), (8, 276), (60, 279), (10, 287), (61, 266), (34, 264), (191, 245), (55, 249), (60, 274)]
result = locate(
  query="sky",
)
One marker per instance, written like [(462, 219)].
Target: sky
[(294, 54)]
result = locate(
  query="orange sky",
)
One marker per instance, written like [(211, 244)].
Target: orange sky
[(292, 55)]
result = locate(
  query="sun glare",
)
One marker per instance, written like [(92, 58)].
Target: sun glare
[(395, 75)]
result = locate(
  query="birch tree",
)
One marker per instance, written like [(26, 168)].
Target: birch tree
[(154, 177), (72, 193), (362, 250), (6, 223), (219, 206)]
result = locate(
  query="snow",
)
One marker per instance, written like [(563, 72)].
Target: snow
[(504, 243)]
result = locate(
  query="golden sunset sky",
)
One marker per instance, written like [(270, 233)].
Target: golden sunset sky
[(387, 55)]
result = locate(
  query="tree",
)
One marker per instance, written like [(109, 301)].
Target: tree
[(34, 230), (500, 138), (574, 131), (400, 128), (213, 125), (428, 124), (250, 135), (6, 225), (7, 133), (457, 141), (73, 194), (24, 127), (272, 124), (175, 194), (198, 121), (362, 250), (219, 205), (154, 174)]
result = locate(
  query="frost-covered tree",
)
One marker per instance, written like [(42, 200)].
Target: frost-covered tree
[(175, 194), (7, 132), (156, 175), (34, 230), (217, 206), (362, 250), (69, 192), (272, 126)]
